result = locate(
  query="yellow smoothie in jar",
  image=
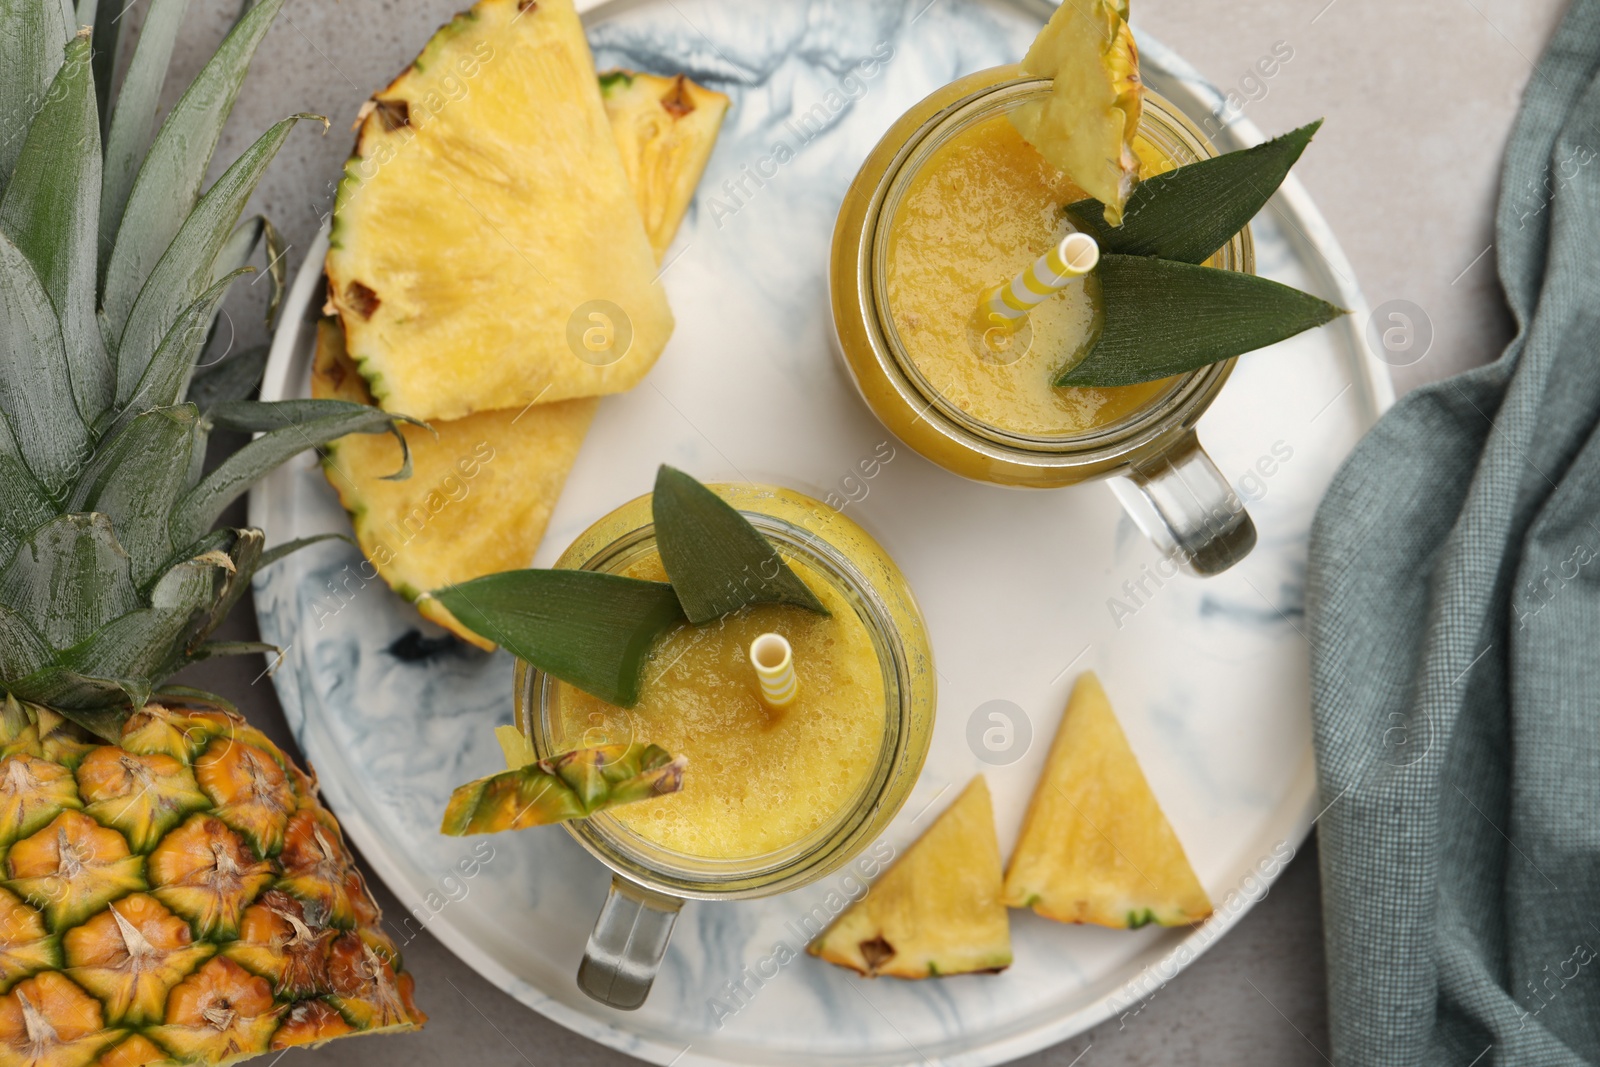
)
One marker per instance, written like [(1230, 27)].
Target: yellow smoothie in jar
[(758, 779), (980, 209)]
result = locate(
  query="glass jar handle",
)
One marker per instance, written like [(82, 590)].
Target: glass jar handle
[(1183, 503), (629, 939)]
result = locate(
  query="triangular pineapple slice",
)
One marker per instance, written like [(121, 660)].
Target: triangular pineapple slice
[(479, 496), (534, 449), (445, 525), (665, 129), (937, 911), (1095, 847), (484, 208), (1087, 126)]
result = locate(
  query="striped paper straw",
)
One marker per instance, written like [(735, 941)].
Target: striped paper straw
[(1052, 272), (773, 660)]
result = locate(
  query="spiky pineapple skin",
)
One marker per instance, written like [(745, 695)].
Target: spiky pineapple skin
[(242, 928)]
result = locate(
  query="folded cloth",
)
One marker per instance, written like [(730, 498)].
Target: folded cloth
[(1454, 610)]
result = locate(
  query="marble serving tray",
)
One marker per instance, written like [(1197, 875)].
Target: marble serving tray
[(1022, 590)]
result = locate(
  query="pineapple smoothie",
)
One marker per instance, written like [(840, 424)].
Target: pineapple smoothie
[(951, 203), (759, 779), (983, 206)]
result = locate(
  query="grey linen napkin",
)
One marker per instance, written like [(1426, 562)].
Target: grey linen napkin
[(1454, 609)]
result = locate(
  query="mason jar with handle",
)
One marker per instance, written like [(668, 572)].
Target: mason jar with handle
[(654, 872), (1149, 449)]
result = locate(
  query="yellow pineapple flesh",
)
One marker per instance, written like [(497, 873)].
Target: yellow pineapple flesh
[(483, 487), (665, 130), (1087, 125), (937, 911), (1095, 846), (480, 493), (484, 207)]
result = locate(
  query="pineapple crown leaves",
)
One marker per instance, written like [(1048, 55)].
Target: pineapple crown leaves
[(113, 262)]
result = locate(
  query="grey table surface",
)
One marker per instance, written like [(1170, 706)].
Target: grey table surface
[(1419, 98)]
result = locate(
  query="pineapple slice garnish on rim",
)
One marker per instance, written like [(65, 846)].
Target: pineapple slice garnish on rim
[(937, 911), (1095, 846), (484, 207), (571, 786), (1087, 125)]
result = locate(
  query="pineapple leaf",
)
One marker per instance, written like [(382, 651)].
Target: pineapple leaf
[(259, 416), (24, 505), (189, 695), (170, 177), (99, 705), (48, 210), (155, 641), (213, 649), (106, 18), (277, 268), (277, 552), (718, 562), (70, 578), (241, 245), (184, 271), (35, 386), (230, 378), (1163, 318), (22, 650), (135, 479), (32, 33), (147, 643), (200, 507), (1189, 213), (166, 379), (134, 117), (589, 629), (244, 558)]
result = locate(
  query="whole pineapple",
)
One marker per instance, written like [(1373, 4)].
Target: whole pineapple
[(171, 890)]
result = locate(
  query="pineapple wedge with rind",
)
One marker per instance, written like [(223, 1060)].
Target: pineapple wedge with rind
[(571, 786), (1086, 127), (665, 130), (1095, 846), (937, 911), (484, 207), (535, 448), (479, 497)]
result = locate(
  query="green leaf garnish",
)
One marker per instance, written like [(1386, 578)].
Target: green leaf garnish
[(589, 629), (1160, 318), (1188, 213), (716, 561)]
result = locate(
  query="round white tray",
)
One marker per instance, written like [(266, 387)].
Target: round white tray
[(1020, 588)]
